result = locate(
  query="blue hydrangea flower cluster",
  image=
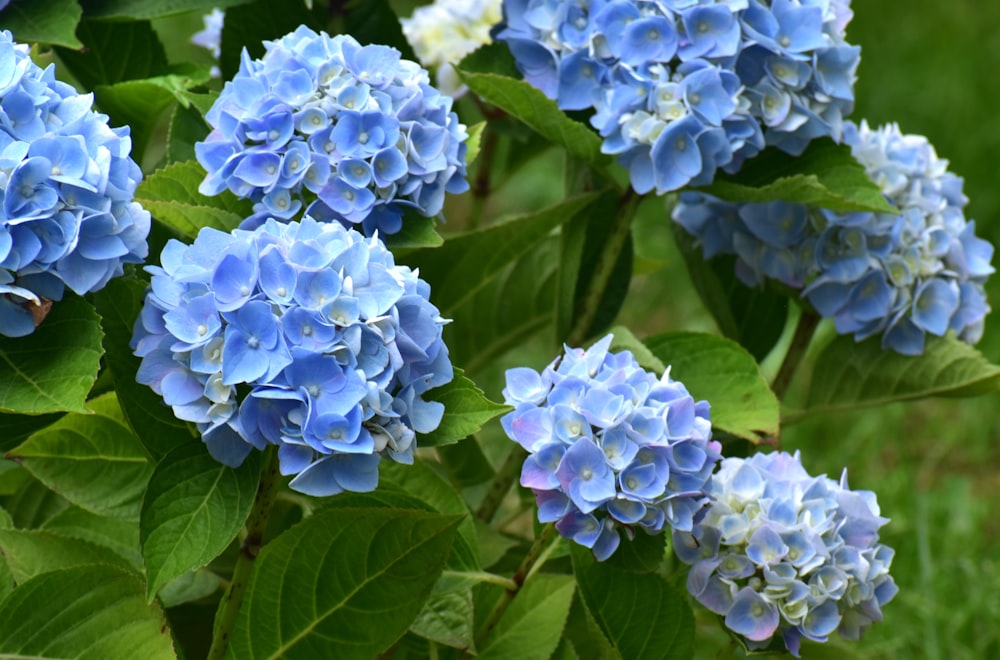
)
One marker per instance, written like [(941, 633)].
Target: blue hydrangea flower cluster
[(302, 335), (922, 271), (210, 37), (612, 447), (355, 128), (67, 218), (778, 551), (684, 87)]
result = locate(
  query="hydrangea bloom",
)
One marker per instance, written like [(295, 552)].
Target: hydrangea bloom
[(905, 275), (355, 128), (682, 87), (778, 551), (445, 31), (302, 335), (611, 446), (211, 36), (67, 218)]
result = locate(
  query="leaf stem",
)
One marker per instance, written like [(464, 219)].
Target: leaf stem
[(537, 554), (482, 576), (804, 330), (502, 481), (270, 479), (605, 266)]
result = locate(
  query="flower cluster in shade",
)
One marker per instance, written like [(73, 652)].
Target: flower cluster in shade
[(211, 36), (356, 131), (922, 271), (303, 335), (778, 551), (445, 31), (67, 218), (612, 447), (681, 88)]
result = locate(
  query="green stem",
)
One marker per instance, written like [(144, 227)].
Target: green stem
[(537, 554), (605, 266), (270, 479), (482, 576), (502, 481), (481, 186), (804, 330)]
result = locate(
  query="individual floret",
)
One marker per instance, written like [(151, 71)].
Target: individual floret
[(355, 131), (445, 31), (779, 552), (612, 447), (902, 276), (683, 88), (67, 218), (302, 335)]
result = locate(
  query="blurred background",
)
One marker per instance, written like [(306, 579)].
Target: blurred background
[(932, 67)]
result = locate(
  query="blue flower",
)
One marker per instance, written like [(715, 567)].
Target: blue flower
[(67, 218), (899, 276), (778, 552), (731, 77), (354, 132), (611, 446), (302, 335)]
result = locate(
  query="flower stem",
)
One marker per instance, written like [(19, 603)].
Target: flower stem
[(605, 266), (267, 490), (502, 481), (804, 330), (537, 554)]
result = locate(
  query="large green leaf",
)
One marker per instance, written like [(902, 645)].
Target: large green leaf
[(448, 615), (527, 104), (825, 175), (31, 552), (466, 410), (120, 536), (33, 504), (115, 51), (722, 372), (90, 612), (753, 317), (52, 369), (359, 578), (140, 9), (491, 58), (17, 428), (43, 21), (171, 195), (465, 463), (152, 420), (193, 508), (6, 577), (248, 25), (640, 614), (94, 461), (516, 304), (418, 231), (468, 262), (533, 623), (849, 375)]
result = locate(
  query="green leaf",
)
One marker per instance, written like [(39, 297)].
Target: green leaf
[(465, 463), (530, 106), (248, 25), (193, 508), (642, 615), (722, 372), (360, 576), (141, 104), (418, 231), (825, 175), (94, 461), (447, 616), (171, 195), (120, 536), (533, 623), (517, 303), (474, 141), (12, 477), (492, 58), (191, 586), (6, 578), (375, 22), (31, 552), (469, 262), (115, 52), (44, 21), (626, 341), (850, 375), (753, 317), (187, 126), (643, 554), (83, 612), (33, 504), (140, 9), (466, 410), (17, 428), (52, 369), (152, 420)]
